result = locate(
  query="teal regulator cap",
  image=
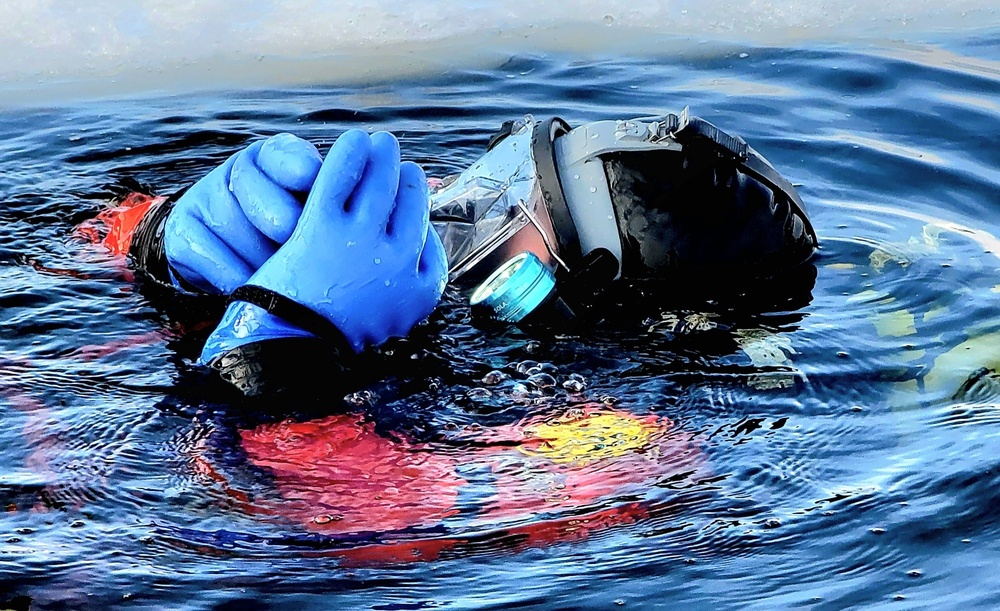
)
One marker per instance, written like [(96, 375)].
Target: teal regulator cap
[(515, 289)]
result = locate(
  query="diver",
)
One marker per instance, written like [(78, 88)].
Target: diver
[(322, 260)]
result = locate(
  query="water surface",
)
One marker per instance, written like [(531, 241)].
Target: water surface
[(827, 450)]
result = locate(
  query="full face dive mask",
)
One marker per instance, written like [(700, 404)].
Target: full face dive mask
[(553, 215)]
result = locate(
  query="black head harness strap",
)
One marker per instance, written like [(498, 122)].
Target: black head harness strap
[(543, 151)]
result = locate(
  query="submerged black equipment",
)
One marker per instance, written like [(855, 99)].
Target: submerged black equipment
[(634, 199)]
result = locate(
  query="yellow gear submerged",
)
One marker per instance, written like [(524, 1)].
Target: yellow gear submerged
[(914, 312)]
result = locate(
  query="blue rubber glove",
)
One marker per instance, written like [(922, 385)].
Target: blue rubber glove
[(232, 220), (363, 255)]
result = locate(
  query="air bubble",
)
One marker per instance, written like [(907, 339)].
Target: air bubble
[(575, 383), (548, 368), (524, 366), (479, 394), (495, 377), (361, 398), (542, 380), (520, 394)]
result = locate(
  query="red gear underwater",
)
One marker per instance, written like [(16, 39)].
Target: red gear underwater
[(548, 480), (337, 475)]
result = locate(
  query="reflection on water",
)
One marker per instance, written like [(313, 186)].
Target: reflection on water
[(825, 440)]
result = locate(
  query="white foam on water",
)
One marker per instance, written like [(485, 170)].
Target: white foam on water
[(50, 49)]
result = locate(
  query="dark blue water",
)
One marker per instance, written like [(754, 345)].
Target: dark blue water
[(836, 448)]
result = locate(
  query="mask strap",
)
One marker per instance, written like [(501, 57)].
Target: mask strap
[(543, 152)]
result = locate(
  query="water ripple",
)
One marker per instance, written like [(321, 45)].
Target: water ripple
[(825, 441)]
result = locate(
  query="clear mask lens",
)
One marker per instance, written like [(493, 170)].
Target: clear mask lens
[(494, 210)]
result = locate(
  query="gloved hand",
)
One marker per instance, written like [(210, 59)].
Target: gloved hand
[(363, 255), (232, 220)]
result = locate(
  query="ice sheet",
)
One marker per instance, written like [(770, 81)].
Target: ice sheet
[(55, 48)]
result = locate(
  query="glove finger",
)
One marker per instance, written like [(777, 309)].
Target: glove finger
[(291, 162), (203, 259), (433, 264), (273, 210), (218, 209), (373, 200), (342, 169), (408, 221)]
